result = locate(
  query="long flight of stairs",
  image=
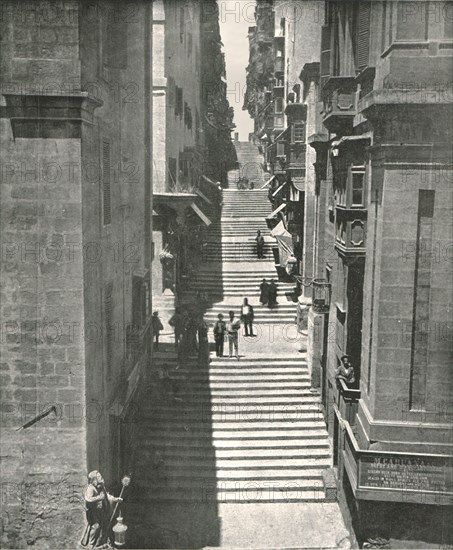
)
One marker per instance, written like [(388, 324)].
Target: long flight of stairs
[(241, 431), (250, 165)]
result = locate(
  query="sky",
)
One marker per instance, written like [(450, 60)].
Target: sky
[(236, 16)]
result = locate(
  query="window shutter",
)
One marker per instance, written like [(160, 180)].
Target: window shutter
[(171, 91), (363, 38), (108, 323), (106, 189), (325, 69)]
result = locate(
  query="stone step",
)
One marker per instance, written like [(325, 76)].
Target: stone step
[(246, 414), (223, 446), (234, 435), (231, 475), (243, 464), (246, 426), (236, 497), (251, 486)]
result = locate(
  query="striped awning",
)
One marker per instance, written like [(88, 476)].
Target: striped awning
[(279, 188), (200, 214), (276, 211)]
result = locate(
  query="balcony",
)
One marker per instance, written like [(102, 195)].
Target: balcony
[(397, 476), (347, 401), (339, 100), (279, 66), (350, 235), (295, 155)]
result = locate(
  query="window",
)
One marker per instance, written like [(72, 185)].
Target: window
[(278, 105), (340, 332), (298, 132), (108, 324), (280, 149), (187, 116), (172, 172), (189, 44), (114, 37), (358, 179), (363, 36), (179, 101), (106, 184), (181, 25), (325, 66), (171, 91), (138, 302)]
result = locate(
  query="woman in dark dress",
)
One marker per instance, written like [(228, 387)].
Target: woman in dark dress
[(272, 294), (264, 292)]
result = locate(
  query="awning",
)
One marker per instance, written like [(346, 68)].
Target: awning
[(276, 211), (279, 188), (268, 182), (211, 182), (298, 182), (285, 242), (201, 195), (200, 214), (346, 139)]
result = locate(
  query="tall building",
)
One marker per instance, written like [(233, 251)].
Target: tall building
[(361, 194), (192, 125), (76, 205), (382, 235)]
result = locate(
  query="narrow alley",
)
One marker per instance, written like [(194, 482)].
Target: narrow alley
[(244, 439)]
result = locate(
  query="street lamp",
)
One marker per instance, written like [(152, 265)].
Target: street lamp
[(320, 294)]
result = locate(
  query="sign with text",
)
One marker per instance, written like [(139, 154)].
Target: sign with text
[(406, 473)]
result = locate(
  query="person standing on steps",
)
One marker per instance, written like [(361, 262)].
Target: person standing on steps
[(203, 342), (247, 317), (177, 322), (272, 294), (157, 327), (264, 292), (233, 327), (259, 245), (219, 335)]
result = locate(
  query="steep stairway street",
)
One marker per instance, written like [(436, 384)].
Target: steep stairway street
[(250, 165), (245, 432)]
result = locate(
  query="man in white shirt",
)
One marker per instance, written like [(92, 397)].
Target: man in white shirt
[(233, 327)]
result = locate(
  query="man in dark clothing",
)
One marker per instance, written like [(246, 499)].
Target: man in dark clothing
[(177, 322), (219, 335), (157, 327), (259, 244), (203, 342), (264, 292), (247, 317), (272, 294)]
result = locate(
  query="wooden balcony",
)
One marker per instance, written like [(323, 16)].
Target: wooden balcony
[(339, 101), (295, 155), (350, 235), (397, 476), (279, 66)]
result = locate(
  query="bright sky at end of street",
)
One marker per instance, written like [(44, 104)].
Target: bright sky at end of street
[(235, 17)]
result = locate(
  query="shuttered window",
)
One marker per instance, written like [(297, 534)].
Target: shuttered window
[(106, 184), (363, 36), (325, 54), (108, 324)]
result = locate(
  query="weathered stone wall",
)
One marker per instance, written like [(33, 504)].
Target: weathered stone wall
[(57, 255)]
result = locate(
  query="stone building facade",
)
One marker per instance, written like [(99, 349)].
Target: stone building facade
[(76, 205), (383, 234), (375, 98), (191, 140)]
